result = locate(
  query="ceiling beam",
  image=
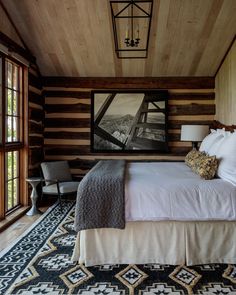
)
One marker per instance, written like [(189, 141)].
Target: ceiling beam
[(131, 83)]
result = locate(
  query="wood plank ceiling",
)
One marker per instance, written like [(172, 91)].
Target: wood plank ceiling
[(74, 37)]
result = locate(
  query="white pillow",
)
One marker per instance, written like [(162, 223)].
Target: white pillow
[(227, 155), (211, 139), (216, 146)]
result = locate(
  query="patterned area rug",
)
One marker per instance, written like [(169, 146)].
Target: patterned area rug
[(40, 263)]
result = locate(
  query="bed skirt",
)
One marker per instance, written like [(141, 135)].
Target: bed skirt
[(161, 242)]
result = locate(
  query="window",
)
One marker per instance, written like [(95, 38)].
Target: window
[(13, 93), (12, 179), (12, 143)]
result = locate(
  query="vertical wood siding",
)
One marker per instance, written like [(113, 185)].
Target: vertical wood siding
[(67, 124), (226, 89)]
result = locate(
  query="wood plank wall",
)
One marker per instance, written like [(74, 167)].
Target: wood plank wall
[(226, 89), (67, 116), (36, 121)]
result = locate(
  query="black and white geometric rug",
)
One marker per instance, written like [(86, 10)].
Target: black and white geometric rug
[(40, 263)]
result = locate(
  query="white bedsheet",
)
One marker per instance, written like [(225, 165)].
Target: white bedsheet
[(171, 191)]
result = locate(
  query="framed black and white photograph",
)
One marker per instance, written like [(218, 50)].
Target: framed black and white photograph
[(129, 120)]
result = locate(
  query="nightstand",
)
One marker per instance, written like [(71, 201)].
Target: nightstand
[(34, 181)]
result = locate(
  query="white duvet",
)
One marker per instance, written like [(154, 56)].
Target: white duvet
[(171, 191)]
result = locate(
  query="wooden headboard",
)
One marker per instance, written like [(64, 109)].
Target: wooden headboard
[(217, 124)]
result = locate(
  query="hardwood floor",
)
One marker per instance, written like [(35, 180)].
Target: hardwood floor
[(8, 236)]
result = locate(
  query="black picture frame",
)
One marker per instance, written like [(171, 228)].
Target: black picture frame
[(129, 121)]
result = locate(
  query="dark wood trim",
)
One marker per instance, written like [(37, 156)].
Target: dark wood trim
[(217, 124), (35, 81), (180, 151), (13, 46), (87, 95), (24, 152), (88, 164), (31, 58), (35, 155), (82, 164), (174, 137), (35, 128), (3, 141), (66, 135), (64, 93), (226, 53), (12, 23), (36, 141), (65, 122), (131, 82), (66, 149), (34, 172), (193, 109), (36, 114), (174, 124), (85, 150), (192, 96), (68, 108), (35, 98)]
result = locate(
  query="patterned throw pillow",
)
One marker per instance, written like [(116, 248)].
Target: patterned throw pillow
[(192, 156), (205, 166)]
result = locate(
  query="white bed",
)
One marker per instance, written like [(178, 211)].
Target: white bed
[(171, 191), (172, 217)]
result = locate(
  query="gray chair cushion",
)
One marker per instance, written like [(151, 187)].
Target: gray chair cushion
[(58, 170), (65, 187)]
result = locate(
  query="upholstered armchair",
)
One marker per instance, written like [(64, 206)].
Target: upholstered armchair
[(57, 179)]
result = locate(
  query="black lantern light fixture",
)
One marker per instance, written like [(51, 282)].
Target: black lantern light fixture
[(131, 20)]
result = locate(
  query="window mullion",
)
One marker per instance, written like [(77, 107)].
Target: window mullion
[(12, 85), (2, 155), (6, 182), (2, 188), (3, 101), (12, 175), (18, 175)]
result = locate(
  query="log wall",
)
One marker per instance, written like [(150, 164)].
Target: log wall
[(67, 116), (36, 121)]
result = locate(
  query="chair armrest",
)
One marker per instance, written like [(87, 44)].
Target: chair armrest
[(56, 180), (52, 181)]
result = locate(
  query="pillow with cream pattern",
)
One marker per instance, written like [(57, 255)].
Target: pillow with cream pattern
[(192, 156), (205, 166)]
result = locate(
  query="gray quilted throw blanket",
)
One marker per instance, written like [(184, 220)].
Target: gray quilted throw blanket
[(100, 198)]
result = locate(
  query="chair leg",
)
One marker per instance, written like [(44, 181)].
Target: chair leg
[(59, 197)]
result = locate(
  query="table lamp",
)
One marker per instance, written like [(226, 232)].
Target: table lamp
[(194, 133)]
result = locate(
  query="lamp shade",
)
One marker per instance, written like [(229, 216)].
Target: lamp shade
[(194, 133)]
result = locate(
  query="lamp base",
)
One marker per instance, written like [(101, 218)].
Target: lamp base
[(195, 145)]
